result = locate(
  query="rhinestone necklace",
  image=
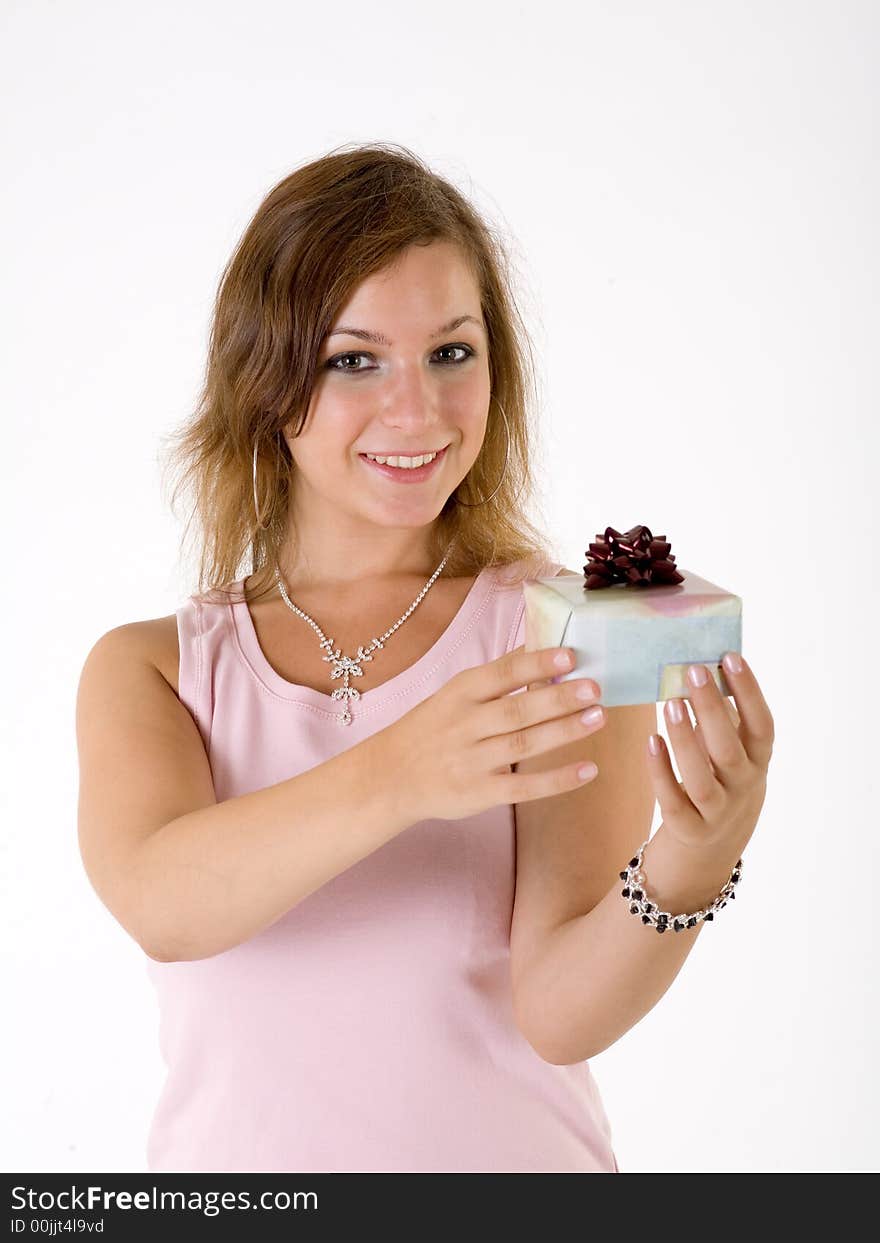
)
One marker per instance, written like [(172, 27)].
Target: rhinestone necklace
[(346, 667)]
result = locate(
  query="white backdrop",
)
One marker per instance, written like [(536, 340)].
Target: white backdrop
[(691, 195)]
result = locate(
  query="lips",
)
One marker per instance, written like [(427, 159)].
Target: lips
[(401, 474), (410, 453)]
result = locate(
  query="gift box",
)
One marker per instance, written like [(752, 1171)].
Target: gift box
[(634, 635)]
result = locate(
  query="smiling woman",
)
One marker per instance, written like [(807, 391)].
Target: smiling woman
[(325, 895), (366, 247)]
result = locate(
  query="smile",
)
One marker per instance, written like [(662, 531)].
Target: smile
[(406, 474)]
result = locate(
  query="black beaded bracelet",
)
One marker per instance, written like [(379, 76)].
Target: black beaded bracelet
[(640, 904)]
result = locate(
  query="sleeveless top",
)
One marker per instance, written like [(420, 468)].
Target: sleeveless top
[(370, 1029)]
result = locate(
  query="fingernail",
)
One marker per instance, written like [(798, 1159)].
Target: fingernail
[(562, 660), (732, 662), (674, 711), (698, 675)]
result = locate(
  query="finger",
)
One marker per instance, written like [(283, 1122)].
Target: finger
[(525, 721), (525, 787), (672, 798), (722, 745), (700, 781), (701, 740), (698, 729), (515, 670), (757, 729)]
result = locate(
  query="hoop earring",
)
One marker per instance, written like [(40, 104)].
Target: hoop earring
[(260, 526), (477, 504)]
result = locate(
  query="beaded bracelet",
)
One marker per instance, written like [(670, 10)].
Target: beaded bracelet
[(634, 889)]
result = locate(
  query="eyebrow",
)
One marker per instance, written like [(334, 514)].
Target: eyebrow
[(378, 339)]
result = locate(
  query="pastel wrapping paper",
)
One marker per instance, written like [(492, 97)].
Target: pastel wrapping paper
[(635, 641)]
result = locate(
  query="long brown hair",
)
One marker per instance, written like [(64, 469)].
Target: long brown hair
[(316, 236)]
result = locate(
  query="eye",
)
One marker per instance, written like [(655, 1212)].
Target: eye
[(468, 352), (332, 364)]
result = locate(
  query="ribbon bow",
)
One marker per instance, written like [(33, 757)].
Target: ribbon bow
[(634, 557)]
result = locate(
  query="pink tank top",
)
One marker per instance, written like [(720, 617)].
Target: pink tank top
[(370, 1029)]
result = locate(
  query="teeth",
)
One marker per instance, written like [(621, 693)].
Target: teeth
[(407, 463)]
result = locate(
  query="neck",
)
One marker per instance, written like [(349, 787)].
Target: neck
[(306, 573)]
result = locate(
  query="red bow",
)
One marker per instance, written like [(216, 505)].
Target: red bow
[(634, 557)]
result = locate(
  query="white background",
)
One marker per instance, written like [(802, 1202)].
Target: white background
[(691, 194)]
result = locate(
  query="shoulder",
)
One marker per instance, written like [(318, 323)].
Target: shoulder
[(515, 573), (159, 643), (152, 641)]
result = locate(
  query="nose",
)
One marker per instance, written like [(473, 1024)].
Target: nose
[(410, 408)]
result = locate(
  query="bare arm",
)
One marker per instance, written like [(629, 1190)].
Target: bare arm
[(599, 973), (186, 876), (216, 876)]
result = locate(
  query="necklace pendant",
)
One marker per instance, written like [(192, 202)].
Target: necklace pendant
[(345, 693), (346, 667)]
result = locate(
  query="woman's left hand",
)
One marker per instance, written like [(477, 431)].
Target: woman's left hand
[(723, 761)]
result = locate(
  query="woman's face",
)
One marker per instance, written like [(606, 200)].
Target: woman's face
[(424, 387)]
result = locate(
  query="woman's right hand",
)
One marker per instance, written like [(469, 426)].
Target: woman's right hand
[(453, 751)]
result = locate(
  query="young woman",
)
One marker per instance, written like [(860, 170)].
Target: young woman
[(336, 802)]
